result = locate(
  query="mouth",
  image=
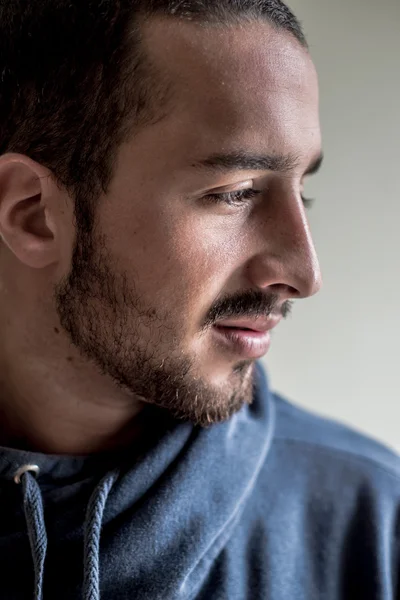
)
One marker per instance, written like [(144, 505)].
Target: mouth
[(248, 338)]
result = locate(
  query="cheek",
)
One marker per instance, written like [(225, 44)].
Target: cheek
[(177, 261), (205, 253)]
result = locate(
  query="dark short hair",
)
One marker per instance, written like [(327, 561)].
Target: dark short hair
[(74, 80)]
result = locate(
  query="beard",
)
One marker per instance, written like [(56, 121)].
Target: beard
[(105, 317)]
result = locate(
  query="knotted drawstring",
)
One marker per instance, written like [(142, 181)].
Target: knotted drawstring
[(93, 519), (33, 508)]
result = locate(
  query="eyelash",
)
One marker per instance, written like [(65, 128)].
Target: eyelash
[(241, 196), (233, 198)]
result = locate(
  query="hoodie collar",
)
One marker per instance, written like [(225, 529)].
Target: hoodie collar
[(192, 487), (181, 499)]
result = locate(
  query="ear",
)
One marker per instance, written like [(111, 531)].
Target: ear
[(26, 223)]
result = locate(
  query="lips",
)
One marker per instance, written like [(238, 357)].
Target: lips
[(247, 337), (258, 324)]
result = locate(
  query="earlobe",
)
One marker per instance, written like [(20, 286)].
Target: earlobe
[(25, 224)]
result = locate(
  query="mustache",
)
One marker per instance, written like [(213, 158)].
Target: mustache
[(248, 304)]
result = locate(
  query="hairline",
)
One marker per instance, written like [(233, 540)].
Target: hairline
[(164, 90)]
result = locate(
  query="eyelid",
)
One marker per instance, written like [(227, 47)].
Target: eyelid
[(234, 187)]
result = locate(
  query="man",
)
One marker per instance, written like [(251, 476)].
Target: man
[(153, 231)]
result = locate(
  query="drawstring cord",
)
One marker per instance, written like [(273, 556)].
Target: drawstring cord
[(93, 519), (34, 515), (33, 508)]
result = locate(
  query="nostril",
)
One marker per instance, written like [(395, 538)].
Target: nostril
[(284, 290)]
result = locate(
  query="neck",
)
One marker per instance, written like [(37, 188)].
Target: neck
[(59, 404), (53, 400)]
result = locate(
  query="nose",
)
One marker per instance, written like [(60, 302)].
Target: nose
[(286, 262)]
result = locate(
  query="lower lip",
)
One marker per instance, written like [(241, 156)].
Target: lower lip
[(243, 342)]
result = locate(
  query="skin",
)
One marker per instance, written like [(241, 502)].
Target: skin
[(81, 357)]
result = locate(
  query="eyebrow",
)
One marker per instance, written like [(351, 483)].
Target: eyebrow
[(315, 165), (254, 162)]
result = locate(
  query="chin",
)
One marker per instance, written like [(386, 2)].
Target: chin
[(229, 374), (207, 396)]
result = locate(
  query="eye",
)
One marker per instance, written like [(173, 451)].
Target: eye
[(308, 202), (240, 197), (233, 198)]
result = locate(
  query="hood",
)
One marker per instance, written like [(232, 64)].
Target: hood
[(170, 511)]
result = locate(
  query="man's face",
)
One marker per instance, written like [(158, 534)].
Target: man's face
[(177, 248)]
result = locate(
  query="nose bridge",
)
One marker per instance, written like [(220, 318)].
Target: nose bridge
[(290, 257)]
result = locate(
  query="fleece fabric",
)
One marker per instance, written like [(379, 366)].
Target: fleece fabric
[(274, 504)]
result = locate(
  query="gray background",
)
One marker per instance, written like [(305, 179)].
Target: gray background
[(338, 354)]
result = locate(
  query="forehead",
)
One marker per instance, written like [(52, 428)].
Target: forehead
[(236, 85)]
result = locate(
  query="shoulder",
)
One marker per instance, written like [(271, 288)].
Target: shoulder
[(316, 435), (332, 441)]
